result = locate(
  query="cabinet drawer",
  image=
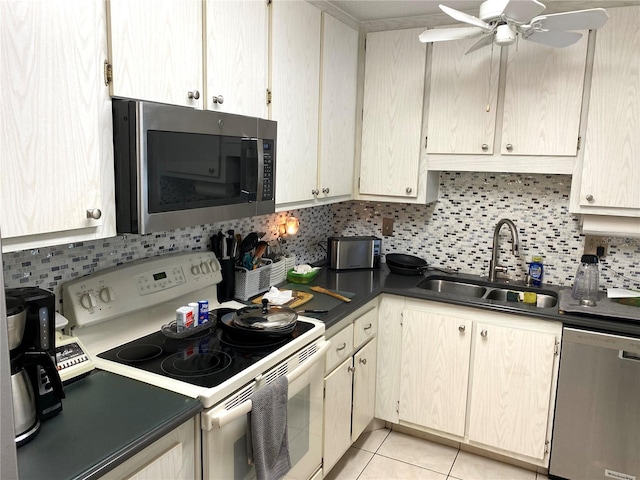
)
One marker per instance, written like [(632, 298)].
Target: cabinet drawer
[(365, 327), (341, 348)]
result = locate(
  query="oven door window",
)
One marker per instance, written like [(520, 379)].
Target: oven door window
[(188, 170)]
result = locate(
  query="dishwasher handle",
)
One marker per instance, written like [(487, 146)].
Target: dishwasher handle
[(629, 356)]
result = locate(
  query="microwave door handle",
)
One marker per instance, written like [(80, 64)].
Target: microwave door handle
[(228, 416)]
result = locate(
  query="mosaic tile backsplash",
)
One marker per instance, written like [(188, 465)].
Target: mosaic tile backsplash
[(455, 232)]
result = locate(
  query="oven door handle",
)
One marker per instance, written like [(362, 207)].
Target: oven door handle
[(227, 416)]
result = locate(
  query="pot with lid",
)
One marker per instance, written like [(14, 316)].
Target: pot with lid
[(262, 319)]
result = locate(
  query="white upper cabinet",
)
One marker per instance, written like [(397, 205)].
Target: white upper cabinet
[(513, 109), (56, 152), (337, 109), (543, 99), (156, 50), (237, 56), (463, 99), (608, 181), (392, 116), (295, 80)]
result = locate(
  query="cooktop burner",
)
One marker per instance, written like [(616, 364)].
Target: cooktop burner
[(207, 358)]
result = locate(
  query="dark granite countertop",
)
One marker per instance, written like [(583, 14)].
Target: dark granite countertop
[(106, 419), (367, 284)]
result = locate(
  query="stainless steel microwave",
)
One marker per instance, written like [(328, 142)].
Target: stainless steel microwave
[(177, 167)]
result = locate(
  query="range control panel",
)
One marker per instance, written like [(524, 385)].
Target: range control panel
[(114, 291)]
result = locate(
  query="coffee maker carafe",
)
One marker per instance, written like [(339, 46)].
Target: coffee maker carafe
[(586, 283), (36, 385)]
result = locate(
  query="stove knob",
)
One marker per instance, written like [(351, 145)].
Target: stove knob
[(205, 267), (88, 301), (213, 265), (195, 269), (106, 295)]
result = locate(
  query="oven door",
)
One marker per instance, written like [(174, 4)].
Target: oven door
[(224, 427)]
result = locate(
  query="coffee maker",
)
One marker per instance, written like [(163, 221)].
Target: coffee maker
[(36, 385)]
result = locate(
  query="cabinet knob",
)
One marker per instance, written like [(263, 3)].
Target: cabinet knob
[(325, 191), (462, 328), (509, 147), (195, 95), (219, 99), (408, 189), (483, 334), (351, 369), (589, 198), (363, 361), (344, 345), (315, 191), (94, 213), (485, 147)]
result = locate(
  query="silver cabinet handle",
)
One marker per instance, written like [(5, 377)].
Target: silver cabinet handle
[(483, 334), (219, 99), (485, 147), (325, 190), (509, 147), (94, 213), (351, 369), (368, 327), (315, 191), (589, 198), (363, 361), (462, 328), (195, 95), (344, 345), (408, 189)]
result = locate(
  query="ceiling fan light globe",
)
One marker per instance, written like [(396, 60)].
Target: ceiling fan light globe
[(492, 9), (505, 35)]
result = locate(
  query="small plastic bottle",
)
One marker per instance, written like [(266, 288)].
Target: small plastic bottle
[(536, 270)]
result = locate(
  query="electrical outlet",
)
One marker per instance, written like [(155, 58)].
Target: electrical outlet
[(387, 227), (592, 242)]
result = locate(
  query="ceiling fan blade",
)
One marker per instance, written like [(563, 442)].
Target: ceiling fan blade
[(522, 11), (554, 39), (578, 20), (444, 34), (466, 18), (483, 42)]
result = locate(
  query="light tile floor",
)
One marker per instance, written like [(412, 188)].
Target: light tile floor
[(385, 455)]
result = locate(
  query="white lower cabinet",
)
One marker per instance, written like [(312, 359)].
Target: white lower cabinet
[(349, 383), (175, 456), (481, 378)]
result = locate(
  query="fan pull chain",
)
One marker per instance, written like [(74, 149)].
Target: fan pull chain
[(488, 107)]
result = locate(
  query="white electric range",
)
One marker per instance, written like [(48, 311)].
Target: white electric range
[(118, 315)]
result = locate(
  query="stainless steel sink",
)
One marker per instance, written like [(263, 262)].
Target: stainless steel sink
[(463, 288), (453, 288), (543, 300)]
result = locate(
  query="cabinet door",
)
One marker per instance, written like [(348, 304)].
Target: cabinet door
[(389, 355), (54, 118), (392, 117), (463, 95), (543, 99), (295, 80), (611, 168), (237, 56), (156, 50), (435, 370), (338, 108), (364, 388), (511, 389), (337, 414)]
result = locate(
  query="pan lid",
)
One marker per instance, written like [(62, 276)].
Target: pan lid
[(265, 317)]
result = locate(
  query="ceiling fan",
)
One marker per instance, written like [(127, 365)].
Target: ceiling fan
[(502, 21)]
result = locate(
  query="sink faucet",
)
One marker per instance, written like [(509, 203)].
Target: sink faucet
[(494, 268)]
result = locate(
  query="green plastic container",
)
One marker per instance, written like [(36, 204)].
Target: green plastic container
[(303, 278)]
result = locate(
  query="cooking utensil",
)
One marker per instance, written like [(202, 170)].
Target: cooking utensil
[(330, 293), (259, 251), (262, 319), (248, 243), (403, 264), (312, 311), (299, 298)]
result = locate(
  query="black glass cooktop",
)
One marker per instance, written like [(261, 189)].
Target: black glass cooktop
[(207, 358)]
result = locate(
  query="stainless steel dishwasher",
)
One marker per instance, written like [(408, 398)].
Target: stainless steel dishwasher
[(596, 432)]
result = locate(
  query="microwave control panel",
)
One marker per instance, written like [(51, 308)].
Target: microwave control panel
[(267, 182)]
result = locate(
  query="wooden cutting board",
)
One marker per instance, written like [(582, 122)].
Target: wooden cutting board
[(300, 298)]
